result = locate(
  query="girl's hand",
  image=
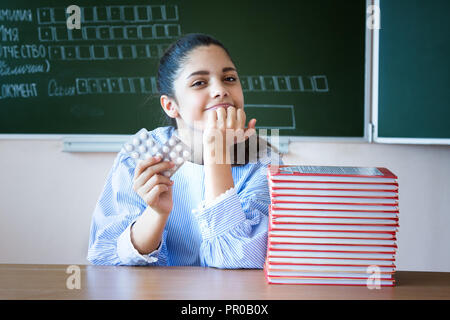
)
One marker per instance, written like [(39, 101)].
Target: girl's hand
[(222, 122), (154, 188)]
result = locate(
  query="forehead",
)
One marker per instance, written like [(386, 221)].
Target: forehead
[(209, 58)]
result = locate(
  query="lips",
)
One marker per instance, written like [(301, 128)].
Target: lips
[(221, 105)]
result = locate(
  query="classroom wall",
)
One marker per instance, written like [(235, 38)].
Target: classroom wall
[(47, 197)]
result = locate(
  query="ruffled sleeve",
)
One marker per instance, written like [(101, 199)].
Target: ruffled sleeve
[(234, 226)]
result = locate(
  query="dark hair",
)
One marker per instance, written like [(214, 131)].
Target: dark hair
[(172, 61)]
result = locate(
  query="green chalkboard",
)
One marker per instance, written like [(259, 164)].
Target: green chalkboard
[(414, 51), (301, 63)]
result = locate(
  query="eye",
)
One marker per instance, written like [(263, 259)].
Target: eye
[(198, 83), (230, 79)]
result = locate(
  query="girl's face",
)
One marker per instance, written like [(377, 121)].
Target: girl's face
[(208, 79)]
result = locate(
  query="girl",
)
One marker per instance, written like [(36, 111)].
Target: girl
[(210, 213)]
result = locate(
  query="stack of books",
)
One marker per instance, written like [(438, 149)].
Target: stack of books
[(332, 225)]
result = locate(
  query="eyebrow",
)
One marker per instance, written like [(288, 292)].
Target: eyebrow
[(204, 72)]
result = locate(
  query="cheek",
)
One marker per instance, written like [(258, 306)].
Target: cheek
[(192, 113), (238, 96)]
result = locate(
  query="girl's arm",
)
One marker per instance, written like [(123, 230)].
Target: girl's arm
[(156, 190), (216, 147), (234, 225), (146, 233), (233, 220), (218, 177)]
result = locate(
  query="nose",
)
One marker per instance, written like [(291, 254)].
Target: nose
[(218, 90)]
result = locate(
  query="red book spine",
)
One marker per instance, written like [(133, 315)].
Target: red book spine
[(274, 207), (333, 251), (275, 171), (273, 194), (334, 244), (328, 265)]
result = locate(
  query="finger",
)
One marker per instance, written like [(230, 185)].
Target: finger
[(144, 164), (152, 197), (221, 117), (240, 119), (154, 181), (150, 171), (252, 124), (211, 119), (250, 129), (231, 117)]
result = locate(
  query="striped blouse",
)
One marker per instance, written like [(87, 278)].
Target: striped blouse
[(229, 232)]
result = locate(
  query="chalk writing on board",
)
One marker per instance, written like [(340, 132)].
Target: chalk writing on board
[(106, 52), (18, 90), (105, 32), (9, 34), (8, 70), (102, 14), (110, 85), (24, 51), (115, 32), (15, 15), (57, 90), (315, 83), (266, 111)]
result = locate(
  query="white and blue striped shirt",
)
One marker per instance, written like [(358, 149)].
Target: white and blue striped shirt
[(230, 232)]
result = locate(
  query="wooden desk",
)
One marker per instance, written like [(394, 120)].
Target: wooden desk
[(192, 283)]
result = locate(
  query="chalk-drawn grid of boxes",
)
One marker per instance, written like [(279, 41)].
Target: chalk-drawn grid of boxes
[(107, 52), (113, 85), (103, 32), (111, 14), (316, 83), (148, 84)]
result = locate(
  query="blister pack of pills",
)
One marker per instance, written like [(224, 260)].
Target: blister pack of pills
[(142, 146)]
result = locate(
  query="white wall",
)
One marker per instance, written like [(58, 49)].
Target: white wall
[(47, 197)]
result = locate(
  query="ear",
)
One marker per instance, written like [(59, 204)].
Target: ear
[(169, 106)]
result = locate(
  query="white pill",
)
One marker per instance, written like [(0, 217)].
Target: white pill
[(136, 141), (155, 149), (172, 155), (147, 156), (142, 149), (149, 143), (165, 149), (186, 154), (143, 135), (134, 155), (178, 147), (158, 154), (172, 142), (179, 160), (129, 147)]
